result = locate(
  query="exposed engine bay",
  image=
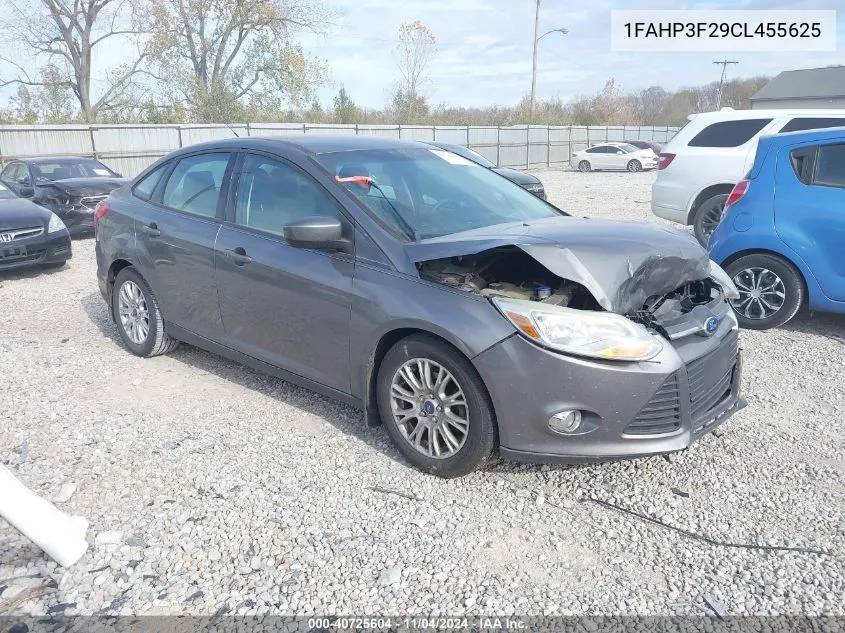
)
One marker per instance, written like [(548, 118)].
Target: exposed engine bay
[(510, 272)]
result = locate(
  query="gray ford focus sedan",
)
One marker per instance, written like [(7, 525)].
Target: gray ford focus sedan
[(455, 308)]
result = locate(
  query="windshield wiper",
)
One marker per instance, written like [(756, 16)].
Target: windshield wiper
[(367, 182)]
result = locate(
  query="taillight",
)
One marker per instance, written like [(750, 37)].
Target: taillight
[(100, 211), (739, 190), (665, 160)]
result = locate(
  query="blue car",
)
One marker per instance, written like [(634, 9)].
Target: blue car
[(782, 234)]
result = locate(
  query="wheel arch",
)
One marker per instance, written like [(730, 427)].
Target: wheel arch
[(387, 340), (114, 270), (704, 194)]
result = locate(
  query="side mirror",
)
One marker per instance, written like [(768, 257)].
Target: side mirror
[(316, 231), (23, 180)]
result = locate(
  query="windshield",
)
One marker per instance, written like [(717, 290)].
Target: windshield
[(627, 148), (424, 193), (5, 193), (60, 169)]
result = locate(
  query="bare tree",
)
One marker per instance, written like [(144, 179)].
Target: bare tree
[(417, 47), (63, 37), (219, 53)]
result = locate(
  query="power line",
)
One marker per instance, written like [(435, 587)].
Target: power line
[(724, 63)]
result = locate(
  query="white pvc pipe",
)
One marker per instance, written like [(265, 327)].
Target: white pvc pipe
[(60, 535)]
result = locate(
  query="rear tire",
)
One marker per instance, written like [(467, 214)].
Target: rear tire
[(584, 166), (424, 382), (635, 165), (770, 276), (707, 216), (137, 315)]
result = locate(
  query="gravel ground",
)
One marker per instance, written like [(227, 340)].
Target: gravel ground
[(209, 486)]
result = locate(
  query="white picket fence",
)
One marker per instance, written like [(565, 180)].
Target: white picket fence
[(130, 148)]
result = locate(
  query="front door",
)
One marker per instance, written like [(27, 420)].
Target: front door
[(176, 232), (286, 306), (810, 215)]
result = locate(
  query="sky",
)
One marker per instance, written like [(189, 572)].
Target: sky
[(484, 49)]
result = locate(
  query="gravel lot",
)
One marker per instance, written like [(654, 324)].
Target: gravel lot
[(209, 486)]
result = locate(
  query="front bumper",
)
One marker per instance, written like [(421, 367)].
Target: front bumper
[(537, 190), (633, 409), (45, 248)]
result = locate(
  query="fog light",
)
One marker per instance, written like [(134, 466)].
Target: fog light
[(565, 422)]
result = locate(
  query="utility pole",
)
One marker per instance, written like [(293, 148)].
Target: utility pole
[(724, 63), (534, 60)]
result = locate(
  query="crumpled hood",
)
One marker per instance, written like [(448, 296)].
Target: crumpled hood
[(93, 186), (621, 263), (19, 213)]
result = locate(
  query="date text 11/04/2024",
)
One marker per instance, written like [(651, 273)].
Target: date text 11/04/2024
[(723, 29), (417, 623)]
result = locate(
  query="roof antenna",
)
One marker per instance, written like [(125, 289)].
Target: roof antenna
[(232, 130)]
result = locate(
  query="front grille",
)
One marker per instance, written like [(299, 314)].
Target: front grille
[(711, 377), (91, 201), (20, 234), (662, 414)]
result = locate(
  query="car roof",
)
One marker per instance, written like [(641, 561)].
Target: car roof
[(729, 114), (825, 134), (52, 159), (316, 144)]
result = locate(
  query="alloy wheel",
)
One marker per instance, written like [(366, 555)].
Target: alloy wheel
[(133, 312), (761, 293), (430, 408), (634, 165)]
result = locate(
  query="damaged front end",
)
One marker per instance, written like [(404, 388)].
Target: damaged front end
[(509, 274), (74, 200)]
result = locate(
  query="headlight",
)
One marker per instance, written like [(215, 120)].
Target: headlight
[(55, 224), (721, 277), (581, 332)]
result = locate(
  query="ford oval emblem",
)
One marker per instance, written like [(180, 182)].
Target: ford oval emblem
[(711, 325)]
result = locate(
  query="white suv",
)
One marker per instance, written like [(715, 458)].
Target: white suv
[(712, 152)]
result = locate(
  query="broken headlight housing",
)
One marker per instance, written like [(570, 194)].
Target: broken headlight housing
[(721, 277), (601, 335)]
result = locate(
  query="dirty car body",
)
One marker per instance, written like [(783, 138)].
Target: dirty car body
[(543, 313), (68, 186)]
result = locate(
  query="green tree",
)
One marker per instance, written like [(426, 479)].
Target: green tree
[(345, 110)]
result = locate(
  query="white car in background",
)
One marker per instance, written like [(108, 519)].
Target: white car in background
[(614, 156), (712, 152)]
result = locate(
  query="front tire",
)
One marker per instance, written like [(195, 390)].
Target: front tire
[(435, 407), (707, 217), (584, 166), (138, 318), (771, 290), (634, 165)]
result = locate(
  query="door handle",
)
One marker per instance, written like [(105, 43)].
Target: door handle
[(238, 255), (151, 229)]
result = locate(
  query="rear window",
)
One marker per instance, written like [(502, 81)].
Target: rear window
[(728, 133), (831, 166), (812, 123)]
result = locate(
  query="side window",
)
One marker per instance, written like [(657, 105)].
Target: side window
[(13, 171), (830, 166), (803, 160), (728, 133), (145, 187), (812, 123), (594, 150), (272, 194), (195, 184)]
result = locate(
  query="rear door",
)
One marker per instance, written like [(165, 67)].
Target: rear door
[(810, 210), (176, 231), (286, 306)]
